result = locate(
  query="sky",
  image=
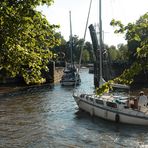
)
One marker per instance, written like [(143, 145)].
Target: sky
[(127, 11)]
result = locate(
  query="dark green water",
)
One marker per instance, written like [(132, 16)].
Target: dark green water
[(49, 118)]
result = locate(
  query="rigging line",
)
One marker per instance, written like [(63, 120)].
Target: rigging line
[(84, 35), (83, 44)]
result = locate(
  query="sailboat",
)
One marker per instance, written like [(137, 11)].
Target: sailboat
[(70, 76), (116, 105)]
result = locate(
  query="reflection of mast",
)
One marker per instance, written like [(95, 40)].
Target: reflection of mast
[(71, 40)]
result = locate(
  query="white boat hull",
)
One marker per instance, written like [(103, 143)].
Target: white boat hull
[(128, 116), (70, 78), (70, 82)]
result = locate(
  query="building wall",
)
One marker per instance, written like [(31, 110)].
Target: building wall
[(58, 73)]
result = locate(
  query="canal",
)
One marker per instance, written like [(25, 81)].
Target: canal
[(44, 117)]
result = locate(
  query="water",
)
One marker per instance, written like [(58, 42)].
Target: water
[(42, 117)]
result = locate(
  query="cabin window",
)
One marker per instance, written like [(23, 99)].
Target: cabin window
[(111, 104), (99, 102), (87, 97), (82, 95), (91, 99)]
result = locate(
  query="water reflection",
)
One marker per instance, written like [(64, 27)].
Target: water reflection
[(43, 117)]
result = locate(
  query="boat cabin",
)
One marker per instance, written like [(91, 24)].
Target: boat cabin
[(118, 102)]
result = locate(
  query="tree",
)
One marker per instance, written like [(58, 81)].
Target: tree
[(85, 57), (60, 50), (113, 52), (78, 44), (26, 38), (123, 52), (89, 48), (136, 36), (118, 54)]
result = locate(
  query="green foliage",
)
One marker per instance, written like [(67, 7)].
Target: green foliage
[(125, 78), (78, 44), (118, 54), (60, 50), (137, 37), (85, 56), (88, 47), (123, 52), (26, 39), (104, 88), (113, 53), (119, 25)]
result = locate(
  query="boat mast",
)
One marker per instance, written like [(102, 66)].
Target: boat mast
[(101, 81), (84, 35), (71, 41)]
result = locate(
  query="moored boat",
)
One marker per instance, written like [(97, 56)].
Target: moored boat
[(116, 106), (70, 77)]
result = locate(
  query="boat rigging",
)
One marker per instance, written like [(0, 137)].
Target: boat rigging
[(116, 104), (70, 77)]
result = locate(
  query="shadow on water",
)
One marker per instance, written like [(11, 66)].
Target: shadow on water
[(22, 90)]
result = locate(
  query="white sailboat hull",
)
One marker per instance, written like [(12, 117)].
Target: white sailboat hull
[(127, 116), (70, 82), (70, 77)]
